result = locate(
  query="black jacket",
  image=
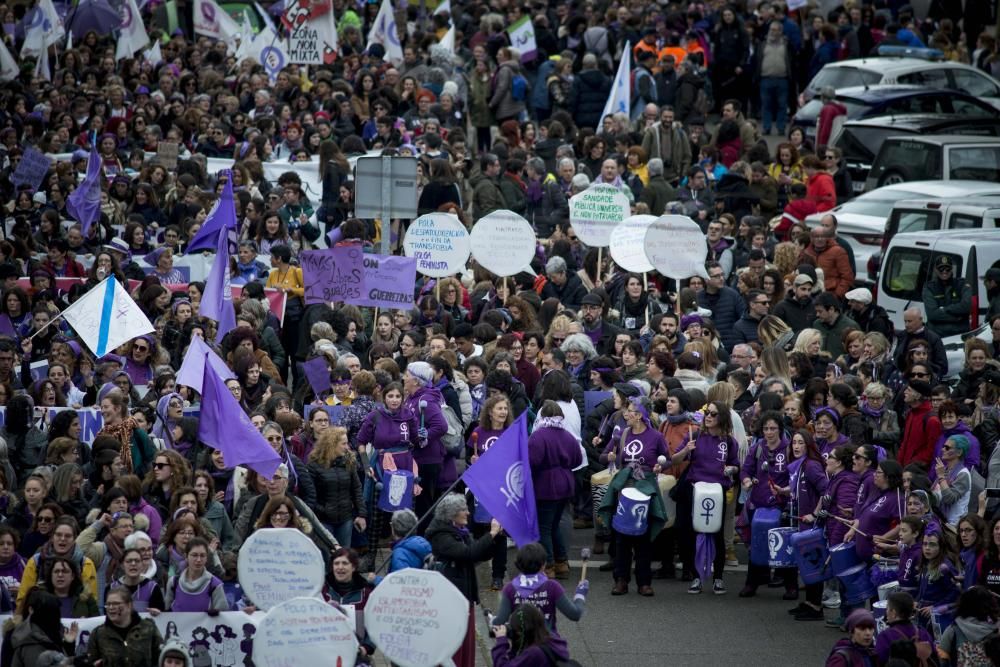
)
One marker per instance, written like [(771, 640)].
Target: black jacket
[(571, 293), (688, 87), (588, 95), (874, 318), (795, 314), (606, 344), (458, 552), (338, 492), (938, 358)]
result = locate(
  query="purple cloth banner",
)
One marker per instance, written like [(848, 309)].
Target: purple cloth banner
[(84, 203), (501, 481), (388, 282), (318, 373), (334, 274)]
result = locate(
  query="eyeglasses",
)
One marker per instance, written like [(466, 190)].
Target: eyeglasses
[(558, 341), (861, 457), (944, 269), (274, 438), (46, 519), (716, 276), (711, 413), (186, 533), (160, 465)]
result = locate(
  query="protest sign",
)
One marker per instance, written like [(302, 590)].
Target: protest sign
[(596, 211), (318, 373), (503, 242), (31, 170), (389, 282), (334, 274), (675, 246), (629, 241), (304, 631), (440, 244), (591, 399), (416, 618), (278, 564), (166, 154), (334, 412)]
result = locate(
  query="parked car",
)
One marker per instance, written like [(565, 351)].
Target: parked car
[(860, 140), (871, 101), (909, 263), (862, 220), (940, 74), (935, 157)]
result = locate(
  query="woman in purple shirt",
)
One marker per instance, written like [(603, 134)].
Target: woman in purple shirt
[(864, 461), (807, 483), (713, 457), (838, 504), (881, 515)]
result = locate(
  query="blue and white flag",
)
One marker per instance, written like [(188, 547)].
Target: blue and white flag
[(106, 316), (384, 32), (621, 91)]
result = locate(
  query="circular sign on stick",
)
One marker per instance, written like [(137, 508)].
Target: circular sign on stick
[(417, 618), (595, 212), (440, 243), (503, 243), (304, 631), (676, 247), (629, 241), (279, 564)]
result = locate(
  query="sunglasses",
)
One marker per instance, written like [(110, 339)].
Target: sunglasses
[(140, 348), (161, 466), (916, 374), (711, 413)]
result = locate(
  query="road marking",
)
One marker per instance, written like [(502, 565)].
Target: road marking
[(597, 562)]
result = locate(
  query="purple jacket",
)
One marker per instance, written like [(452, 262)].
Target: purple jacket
[(155, 520), (826, 447), (908, 573), (530, 657), (866, 490), (764, 464), (553, 453), (842, 493), (942, 590), (536, 589), (808, 483), (710, 457), (895, 632), (433, 420), (12, 572), (971, 459), (389, 430), (879, 516)]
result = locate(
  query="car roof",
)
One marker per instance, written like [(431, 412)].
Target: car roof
[(881, 92), (972, 235), (893, 65), (942, 139), (919, 121), (937, 189), (981, 199)]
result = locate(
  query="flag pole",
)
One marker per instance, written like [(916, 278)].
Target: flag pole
[(46, 326)]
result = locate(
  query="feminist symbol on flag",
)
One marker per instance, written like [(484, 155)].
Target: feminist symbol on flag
[(514, 479)]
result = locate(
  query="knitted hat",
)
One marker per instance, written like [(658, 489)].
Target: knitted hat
[(860, 618), (921, 387)]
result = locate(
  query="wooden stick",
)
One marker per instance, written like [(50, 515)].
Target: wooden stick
[(375, 322), (645, 287), (437, 289), (50, 322), (600, 272)]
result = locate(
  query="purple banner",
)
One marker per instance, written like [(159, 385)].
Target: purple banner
[(388, 282), (318, 373), (334, 274)]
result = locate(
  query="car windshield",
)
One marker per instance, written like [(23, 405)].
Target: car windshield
[(843, 77), (979, 163), (880, 207)]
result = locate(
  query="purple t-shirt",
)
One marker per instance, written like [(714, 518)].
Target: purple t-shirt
[(482, 439), (642, 449), (711, 455), (538, 590), (878, 517)]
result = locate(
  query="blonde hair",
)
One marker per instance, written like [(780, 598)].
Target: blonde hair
[(723, 392), (706, 352), (325, 450), (806, 338), (878, 341)]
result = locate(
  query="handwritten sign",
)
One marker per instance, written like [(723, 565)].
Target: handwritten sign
[(278, 564), (31, 170), (305, 44), (166, 154), (388, 282), (595, 212), (676, 247), (416, 618), (334, 274), (628, 243), (503, 242), (304, 631), (440, 244)]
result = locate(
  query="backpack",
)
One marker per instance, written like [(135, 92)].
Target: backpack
[(926, 655), (519, 87), (973, 654), (453, 440)]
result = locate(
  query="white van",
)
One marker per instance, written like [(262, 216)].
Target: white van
[(909, 263)]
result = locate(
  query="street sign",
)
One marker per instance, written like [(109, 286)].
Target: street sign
[(385, 188)]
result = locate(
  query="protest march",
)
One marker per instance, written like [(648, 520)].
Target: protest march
[(330, 330)]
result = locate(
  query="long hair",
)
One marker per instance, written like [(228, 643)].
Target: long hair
[(324, 451), (485, 413), (527, 628)]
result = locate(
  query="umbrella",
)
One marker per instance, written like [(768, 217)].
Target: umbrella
[(96, 15)]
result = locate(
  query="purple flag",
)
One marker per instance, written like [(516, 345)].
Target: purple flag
[(224, 426), (217, 299), (388, 283), (318, 373), (222, 216), (192, 370), (84, 203), (501, 481), (7, 327), (334, 236)]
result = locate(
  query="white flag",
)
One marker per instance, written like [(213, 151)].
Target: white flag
[(384, 32), (133, 35), (448, 41), (621, 90), (42, 69), (106, 316), (153, 55), (52, 25), (246, 38), (268, 49), (34, 36), (212, 20), (443, 6), (8, 66)]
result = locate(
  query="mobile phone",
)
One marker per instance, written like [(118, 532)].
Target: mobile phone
[(993, 493)]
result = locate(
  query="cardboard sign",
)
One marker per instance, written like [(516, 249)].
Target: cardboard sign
[(166, 154), (389, 282), (31, 170), (676, 247), (503, 242), (440, 244), (595, 212), (278, 564), (305, 631), (334, 274), (628, 243), (417, 618)]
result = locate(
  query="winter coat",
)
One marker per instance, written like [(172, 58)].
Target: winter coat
[(554, 453), (433, 420), (140, 647), (502, 102), (843, 494), (727, 308), (735, 193), (947, 306), (486, 196), (409, 552), (832, 333), (338, 492), (672, 146), (794, 313), (920, 433), (588, 95), (27, 451), (570, 294), (874, 318), (846, 653), (688, 87), (551, 210), (28, 642), (657, 194), (215, 516), (690, 379), (479, 100), (458, 552), (533, 656), (837, 275)]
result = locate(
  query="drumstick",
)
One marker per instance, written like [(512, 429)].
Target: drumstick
[(845, 522), (585, 557)]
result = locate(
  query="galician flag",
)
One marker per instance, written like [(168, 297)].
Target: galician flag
[(106, 316), (621, 91)]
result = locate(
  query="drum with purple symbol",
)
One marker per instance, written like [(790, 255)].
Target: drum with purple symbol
[(843, 558), (857, 585), (779, 547), (632, 515), (397, 490), (764, 519), (706, 511), (883, 571)]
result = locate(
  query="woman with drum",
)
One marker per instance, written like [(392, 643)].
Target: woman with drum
[(807, 484), (713, 458), (880, 516), (765, 471), (837, 507)]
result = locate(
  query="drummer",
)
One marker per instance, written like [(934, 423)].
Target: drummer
[(765, 471), (881, 514), (837, 507), (714, 458), (807, 483)]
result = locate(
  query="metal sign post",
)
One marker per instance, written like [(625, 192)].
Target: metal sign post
[(385, 188)]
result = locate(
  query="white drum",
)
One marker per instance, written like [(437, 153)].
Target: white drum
[(706, 513)]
